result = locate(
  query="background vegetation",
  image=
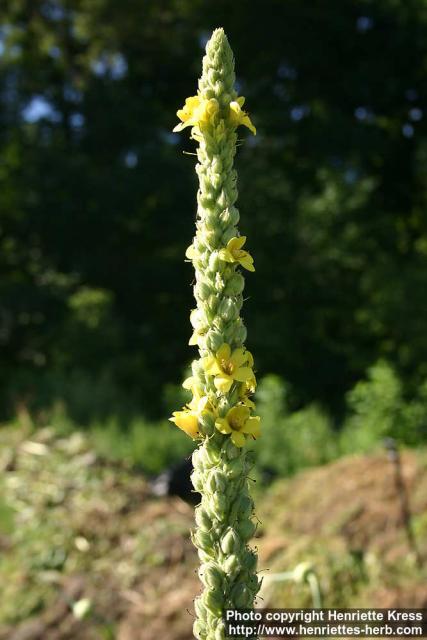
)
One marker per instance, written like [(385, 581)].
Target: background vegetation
[(97, 206)]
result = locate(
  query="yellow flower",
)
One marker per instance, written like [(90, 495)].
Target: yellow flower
[(238, 422), (188, 421), (228, 366), (234, 253), (248, 387), (196, 112), (188, 418), (238, 116)]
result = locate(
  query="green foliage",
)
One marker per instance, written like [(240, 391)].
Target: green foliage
[(147, 445), (96, 205), (291, 441), (378, 410)]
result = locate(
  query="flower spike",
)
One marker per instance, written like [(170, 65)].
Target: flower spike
[(220, 415)]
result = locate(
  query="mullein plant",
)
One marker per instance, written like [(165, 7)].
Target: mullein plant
[(220, 413)]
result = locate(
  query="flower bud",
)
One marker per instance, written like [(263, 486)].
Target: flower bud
[(210, 575), (214, 262), (218, 504), (250, 562), (217, 481), (228, 309), (241, 596), (230, 450), (199, 607), (231, 564), (211, 455), (240, 333), (245, 507), (214, 340), (220, 632), (230, 542), (197, 481), (202, 539), (202, 519), (235, 285), (214, 600), (202, 290), (246, 529), (230, 217), (234, 468)]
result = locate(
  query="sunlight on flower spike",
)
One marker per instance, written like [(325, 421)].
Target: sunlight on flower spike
[(220, 413)]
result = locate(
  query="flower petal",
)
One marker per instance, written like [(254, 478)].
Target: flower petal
[(238, 357), (236, 243), (247, 262), (242, 374), (253, 427), (224, 352), (238, 438), (211, 366), (250, 358), (222, 425), (223, 383), (246, 121), (238, 414), (224, 254), (187, 421)]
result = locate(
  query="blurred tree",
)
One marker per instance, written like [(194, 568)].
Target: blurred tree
[(96, 207)]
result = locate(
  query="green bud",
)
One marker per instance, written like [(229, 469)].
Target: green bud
[(197, 481), (250, 562), (231, 564), (234, 468), (202, 539), (220, 632), (207, 422), (235, 285), (211, 576), (231, 452), (214, 262), (228, 309), (246, 529), (202, 519), (217, 481), (202, 291), (241, 596), (230, 217), (199, 630), (231, 542), (214, 340), (199, 607), (211, 455), (219, 505), (214, 600), (245, 507)]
